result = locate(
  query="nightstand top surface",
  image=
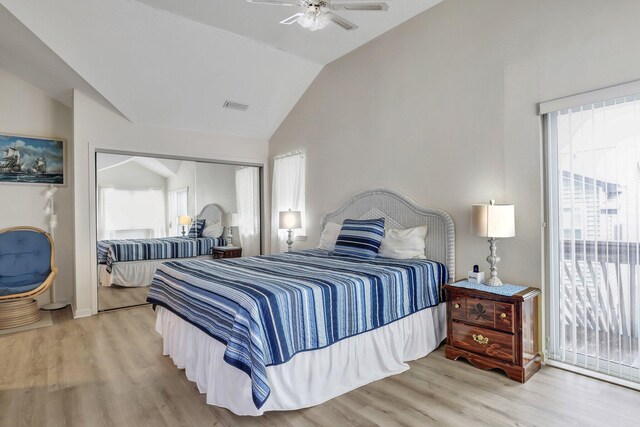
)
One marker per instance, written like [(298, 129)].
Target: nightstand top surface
[(504, 290), (226, 248)]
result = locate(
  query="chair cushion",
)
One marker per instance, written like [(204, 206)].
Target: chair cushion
[(18, 284), (25, 260)]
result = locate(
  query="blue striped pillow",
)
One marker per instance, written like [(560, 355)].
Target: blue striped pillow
[(360, 238), (196, 229)]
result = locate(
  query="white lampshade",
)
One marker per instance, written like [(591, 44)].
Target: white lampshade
[(231, 220), (493, 220), (290, 220), (184, 220)]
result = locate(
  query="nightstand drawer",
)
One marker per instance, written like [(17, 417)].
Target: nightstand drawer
[(504, 316), (224, 252), (480, 312), (459, 308), (483, 341)]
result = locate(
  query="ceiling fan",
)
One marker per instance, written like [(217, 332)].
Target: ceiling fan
[(318, 14)]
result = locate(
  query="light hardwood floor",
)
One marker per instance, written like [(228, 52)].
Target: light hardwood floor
[(110, 297), (108, 370)]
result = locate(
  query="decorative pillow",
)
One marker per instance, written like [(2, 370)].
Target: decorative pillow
[(360, 238), (196, 229), (214, 230), (404, 244), (329, 236)]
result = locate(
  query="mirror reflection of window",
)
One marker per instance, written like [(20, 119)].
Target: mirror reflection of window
[(132, 214), (178, 205)]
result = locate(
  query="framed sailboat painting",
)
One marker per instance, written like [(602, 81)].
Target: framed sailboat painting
[(31, 160)]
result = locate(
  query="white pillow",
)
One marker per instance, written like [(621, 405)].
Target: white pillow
[(329, 236), (404, 244), (214, 230)]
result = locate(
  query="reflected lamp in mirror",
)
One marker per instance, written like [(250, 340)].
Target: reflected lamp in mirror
[(230, 220), (493, 221), (290, 220), (184, 221)]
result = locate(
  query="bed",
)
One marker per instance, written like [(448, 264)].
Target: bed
[(133, 262), (289, 331)]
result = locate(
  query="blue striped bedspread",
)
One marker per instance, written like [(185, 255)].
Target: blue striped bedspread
[(110, 251), (266, 309)]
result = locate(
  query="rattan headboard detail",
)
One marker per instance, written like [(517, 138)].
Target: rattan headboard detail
[(212, 213), (399, 211)]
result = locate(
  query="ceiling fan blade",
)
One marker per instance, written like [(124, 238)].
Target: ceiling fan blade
[(275, 2), (342, 23), (292, 19), (376, 6)]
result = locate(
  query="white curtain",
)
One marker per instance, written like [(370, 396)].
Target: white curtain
[(288, 192), (131, 213), (177, 204), (594, 153), (248, 203)]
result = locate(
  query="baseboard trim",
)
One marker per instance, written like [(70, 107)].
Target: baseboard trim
[(77, 314), (593, 374)]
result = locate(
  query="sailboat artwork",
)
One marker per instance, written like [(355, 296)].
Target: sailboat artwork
[(31, 160)]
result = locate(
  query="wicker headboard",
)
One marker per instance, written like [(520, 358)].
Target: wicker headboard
[(399, 211), (212, 213)]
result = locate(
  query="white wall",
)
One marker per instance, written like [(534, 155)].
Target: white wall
[(216, 183), (98, 128), (25, 110), (443, 109), (130, 175)]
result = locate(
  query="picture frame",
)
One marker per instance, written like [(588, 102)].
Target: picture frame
[(32, 160)]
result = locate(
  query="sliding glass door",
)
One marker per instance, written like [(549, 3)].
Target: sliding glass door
[(594, 200)]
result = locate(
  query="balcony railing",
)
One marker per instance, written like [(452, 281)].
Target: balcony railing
[(600, 303)]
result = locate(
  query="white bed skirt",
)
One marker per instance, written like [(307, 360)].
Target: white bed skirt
[(134, 274), (309, 378)]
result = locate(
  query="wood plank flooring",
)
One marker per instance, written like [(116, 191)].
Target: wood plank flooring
[(108, 370), (110, 297)]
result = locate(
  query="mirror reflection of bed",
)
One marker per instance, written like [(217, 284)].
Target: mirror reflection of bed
[(153, 210)]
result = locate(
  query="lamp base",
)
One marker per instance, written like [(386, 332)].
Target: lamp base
[(493, 281)]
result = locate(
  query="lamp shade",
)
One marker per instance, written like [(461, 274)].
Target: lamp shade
[(290, 220), (493, 220), (184, 220), (231, 220)]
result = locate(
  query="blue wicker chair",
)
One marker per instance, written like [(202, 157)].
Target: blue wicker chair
[(26, 270)]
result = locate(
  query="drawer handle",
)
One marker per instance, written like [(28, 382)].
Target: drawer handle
[(456, 305), (503, 315), (480, 339)]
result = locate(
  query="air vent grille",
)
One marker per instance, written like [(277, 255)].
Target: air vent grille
[(233, 105)]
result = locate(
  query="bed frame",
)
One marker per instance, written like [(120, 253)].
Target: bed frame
[(212, 213), (399, 211)]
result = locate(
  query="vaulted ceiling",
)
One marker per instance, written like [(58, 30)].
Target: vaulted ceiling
[(173, 63)]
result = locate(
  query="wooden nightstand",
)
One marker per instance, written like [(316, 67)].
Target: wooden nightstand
[(226, 252), (492, 330)]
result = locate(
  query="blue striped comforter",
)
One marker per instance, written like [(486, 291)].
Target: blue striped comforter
[(266, 309), (110, 251)]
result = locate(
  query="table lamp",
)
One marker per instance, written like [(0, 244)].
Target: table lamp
[(290, 220), (184, 220), (493, 221), (230, 220)]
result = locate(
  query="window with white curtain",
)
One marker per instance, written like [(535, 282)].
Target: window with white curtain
[(131, 213), (288, 192), (594, 199), (248, 204), (177, 205)]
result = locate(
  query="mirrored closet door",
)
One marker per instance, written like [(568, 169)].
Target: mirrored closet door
[(153, 210)]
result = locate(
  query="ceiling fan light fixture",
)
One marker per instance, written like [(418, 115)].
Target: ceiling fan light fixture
[(314, 19)]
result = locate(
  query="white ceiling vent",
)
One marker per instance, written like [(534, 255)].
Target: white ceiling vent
[(233, 105)]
